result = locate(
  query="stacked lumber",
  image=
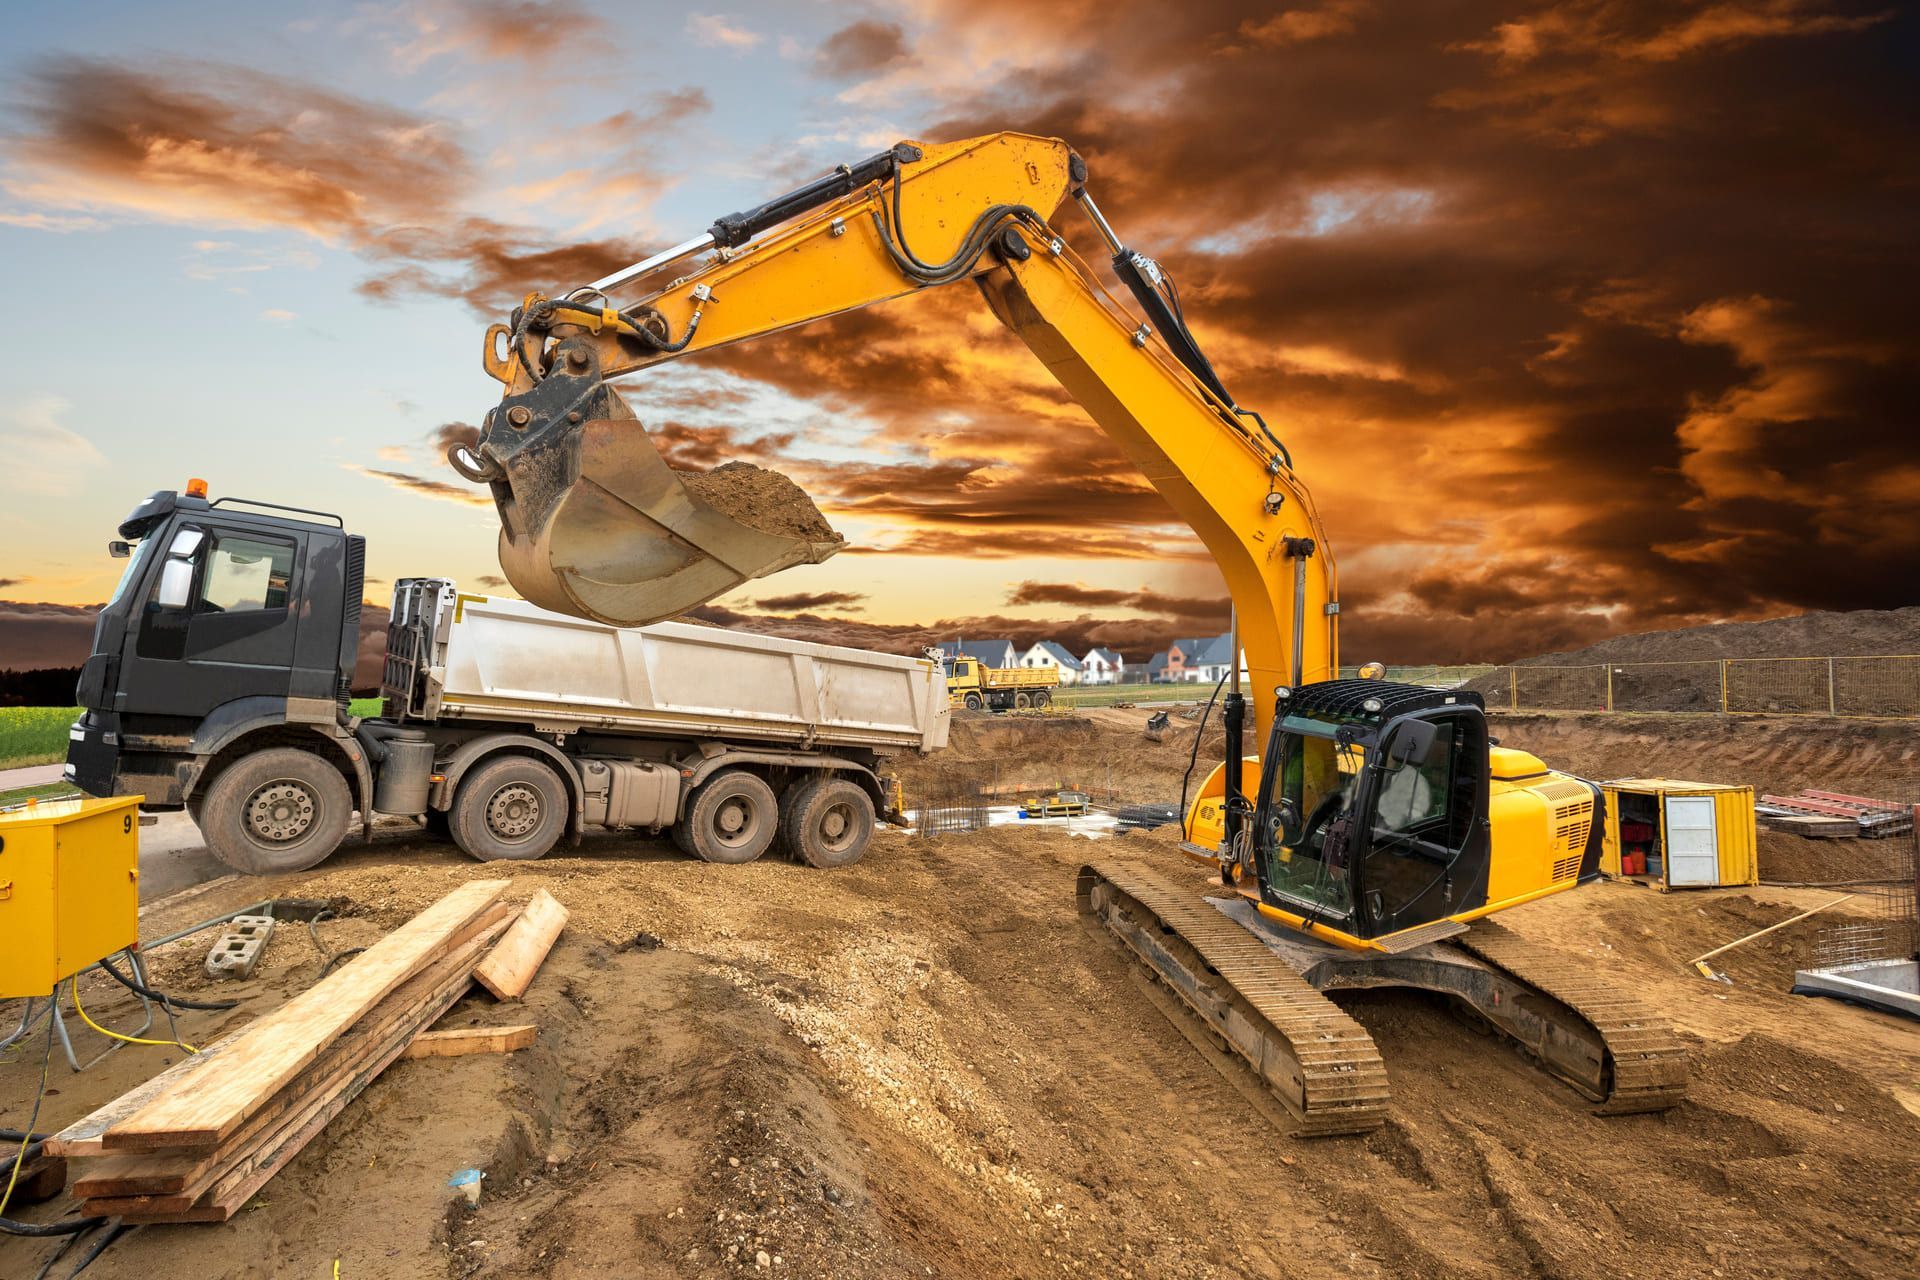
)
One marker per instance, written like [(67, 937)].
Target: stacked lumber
[(197, 1141), (1834, 813)]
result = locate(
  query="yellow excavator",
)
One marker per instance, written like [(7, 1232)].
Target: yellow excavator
[(1368, 841)]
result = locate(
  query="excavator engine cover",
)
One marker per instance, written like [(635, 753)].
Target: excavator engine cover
[(593, 522)]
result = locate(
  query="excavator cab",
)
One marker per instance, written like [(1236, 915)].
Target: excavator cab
[(1374, 817)]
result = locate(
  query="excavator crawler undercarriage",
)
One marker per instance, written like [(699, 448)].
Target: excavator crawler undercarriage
[(1261, 988)]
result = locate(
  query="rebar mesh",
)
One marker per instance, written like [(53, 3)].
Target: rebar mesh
[(950, 802), (1885, 915)]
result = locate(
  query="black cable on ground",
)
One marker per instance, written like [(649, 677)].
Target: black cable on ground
[(172, 1002), (9, 1226), (332, 957), (18, 1135), (116, 1229), (46, 1268), (23, 1157)]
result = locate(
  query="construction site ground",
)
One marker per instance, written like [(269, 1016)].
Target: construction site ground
[(925, 1065)]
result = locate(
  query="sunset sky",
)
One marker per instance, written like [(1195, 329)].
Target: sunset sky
[(1578, 317)]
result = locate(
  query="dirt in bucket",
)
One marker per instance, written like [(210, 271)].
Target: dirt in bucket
[(760, 499)]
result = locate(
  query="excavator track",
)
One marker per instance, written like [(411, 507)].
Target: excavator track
[(1649, 1063), (1318, 1061)]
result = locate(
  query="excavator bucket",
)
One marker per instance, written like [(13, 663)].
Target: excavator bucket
[(596, 524)]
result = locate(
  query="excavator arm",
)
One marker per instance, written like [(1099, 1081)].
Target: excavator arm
[(594, 523)]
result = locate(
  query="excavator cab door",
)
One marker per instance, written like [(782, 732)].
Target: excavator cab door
[(1421, 854)]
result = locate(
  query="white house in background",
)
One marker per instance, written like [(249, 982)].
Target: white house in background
[(1101, 666), (989, 653), (1046, 653), (1215, 656)]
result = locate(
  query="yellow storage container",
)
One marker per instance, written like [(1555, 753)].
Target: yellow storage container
[(69, 889), (1679, 835)]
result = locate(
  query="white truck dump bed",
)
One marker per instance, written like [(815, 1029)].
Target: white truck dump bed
[(457, 656)]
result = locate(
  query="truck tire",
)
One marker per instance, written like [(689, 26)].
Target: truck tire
[(827, 822), (511, 808), (1021, 701), (275, 811), (1043, 700), (975, 702), (732, 818)]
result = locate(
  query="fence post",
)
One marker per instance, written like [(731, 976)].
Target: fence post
[(1831, 710), (1513, 688), (1723, 686), (1609, 686)]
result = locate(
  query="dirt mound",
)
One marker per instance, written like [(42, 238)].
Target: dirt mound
[(1693, 682), (1858, 632), (760, 499), (1104, 750), (1772, 754)]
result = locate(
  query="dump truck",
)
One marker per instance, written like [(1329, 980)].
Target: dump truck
[(219, 682), (978, 687)]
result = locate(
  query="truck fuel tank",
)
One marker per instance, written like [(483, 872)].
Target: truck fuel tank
[(629, 793)]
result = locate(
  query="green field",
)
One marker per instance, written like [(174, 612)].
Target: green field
[(34, 735), (45, 791), (38, 735)]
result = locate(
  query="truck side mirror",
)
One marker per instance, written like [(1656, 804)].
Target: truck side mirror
[(175, 590), (119, 549)]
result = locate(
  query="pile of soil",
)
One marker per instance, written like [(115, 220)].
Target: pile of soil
[(1104, 750), (1695, 686), (760, 499)]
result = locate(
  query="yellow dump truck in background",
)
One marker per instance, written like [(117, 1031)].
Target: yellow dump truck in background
[(982, 688)]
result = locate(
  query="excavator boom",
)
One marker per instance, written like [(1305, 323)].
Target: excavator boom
[(593, 521)]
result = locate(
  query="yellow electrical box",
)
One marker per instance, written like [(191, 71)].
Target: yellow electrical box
[(69, 889)]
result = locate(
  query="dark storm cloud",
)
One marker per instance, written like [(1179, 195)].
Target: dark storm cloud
[(805, 600), (862, 48), (1579, 318)]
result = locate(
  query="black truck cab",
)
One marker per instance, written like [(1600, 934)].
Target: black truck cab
[(232, 617)]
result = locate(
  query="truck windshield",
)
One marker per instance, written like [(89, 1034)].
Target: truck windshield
[(1317, 778), (136, 559)]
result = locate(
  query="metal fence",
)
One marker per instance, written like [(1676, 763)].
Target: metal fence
[(1875, 686)]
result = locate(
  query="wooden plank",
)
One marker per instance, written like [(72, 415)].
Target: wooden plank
[(238, 1185), (455, 1044), (509, 971), (167, 1173), (271, 1051), (82, 1137)]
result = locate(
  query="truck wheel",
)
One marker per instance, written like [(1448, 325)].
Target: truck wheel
[(1043, 700), (276, 811), (975, 702), (827, 822), (1021, 701), (732, 818), (512, 808)]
